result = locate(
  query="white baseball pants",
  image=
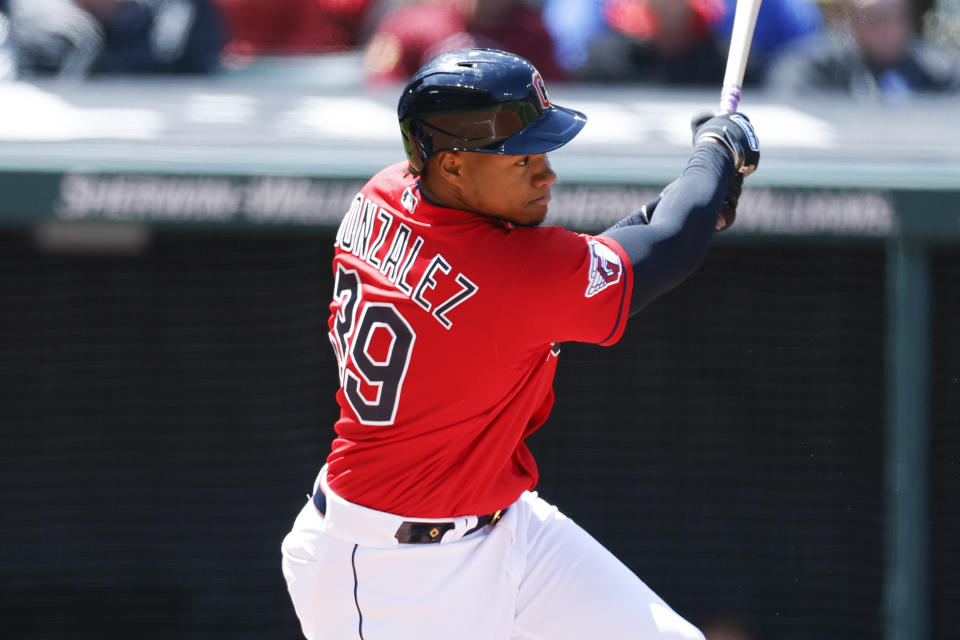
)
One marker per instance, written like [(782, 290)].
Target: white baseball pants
[(534, 575)]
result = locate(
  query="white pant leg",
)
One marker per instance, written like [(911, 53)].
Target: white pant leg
[(534, 576), (408, 592), (319, 572), (574, 589)]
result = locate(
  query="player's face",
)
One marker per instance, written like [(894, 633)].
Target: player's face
[(515, 188)]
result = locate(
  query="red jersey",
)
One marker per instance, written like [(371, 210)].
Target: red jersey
[(444, 323)]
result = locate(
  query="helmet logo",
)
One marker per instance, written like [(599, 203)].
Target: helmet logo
[(541, 90)]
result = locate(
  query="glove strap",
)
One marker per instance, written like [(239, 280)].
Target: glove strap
[(723, 139)]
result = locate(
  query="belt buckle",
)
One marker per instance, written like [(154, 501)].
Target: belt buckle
[(496, 517)]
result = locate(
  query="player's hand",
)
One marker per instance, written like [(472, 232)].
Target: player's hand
[(728, 210), (733, 131), (730, 132)]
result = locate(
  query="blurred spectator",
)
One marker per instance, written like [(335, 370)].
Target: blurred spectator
[(76, 38), (8, 58), (292, 27), (573, 25), (411, 35), (779, 23), (667, 42), (872, 54), (942, 23)]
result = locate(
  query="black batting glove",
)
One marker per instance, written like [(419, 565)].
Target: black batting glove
[(728, 210), (733, 131)]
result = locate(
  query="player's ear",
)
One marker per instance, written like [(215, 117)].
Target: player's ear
[(449, 166)]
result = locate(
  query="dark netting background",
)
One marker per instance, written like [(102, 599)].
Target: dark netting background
[(730, 448), (164, 414), (163, 417), (945, 446)]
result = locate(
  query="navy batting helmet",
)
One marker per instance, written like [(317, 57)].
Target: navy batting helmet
[(481, 100)]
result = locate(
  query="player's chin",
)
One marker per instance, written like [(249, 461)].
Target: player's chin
[(531, 219), (535, 212)]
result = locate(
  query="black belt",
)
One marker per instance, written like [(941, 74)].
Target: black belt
[(420, 532)]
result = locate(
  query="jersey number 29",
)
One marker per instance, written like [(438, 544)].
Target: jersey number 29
[(352, 338)]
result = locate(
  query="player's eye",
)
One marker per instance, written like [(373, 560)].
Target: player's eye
[(524, 161)]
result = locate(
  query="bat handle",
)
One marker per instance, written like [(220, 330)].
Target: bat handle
[(744, 23), (729, 98)]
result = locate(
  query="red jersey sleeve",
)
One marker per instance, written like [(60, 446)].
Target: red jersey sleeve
[(565, 287)]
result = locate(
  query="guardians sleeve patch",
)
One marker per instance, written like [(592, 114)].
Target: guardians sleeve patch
[(605, 268)]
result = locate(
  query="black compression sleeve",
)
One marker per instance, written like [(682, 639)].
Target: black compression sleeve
[(671, 247)]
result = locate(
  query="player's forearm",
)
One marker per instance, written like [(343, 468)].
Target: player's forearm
[(671, 247)]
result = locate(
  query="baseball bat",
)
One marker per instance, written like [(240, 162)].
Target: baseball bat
[(744, 23)]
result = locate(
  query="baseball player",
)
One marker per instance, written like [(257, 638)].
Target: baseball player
[(448, 305)]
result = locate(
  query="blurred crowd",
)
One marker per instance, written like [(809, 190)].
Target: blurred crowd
[(869, 49)]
